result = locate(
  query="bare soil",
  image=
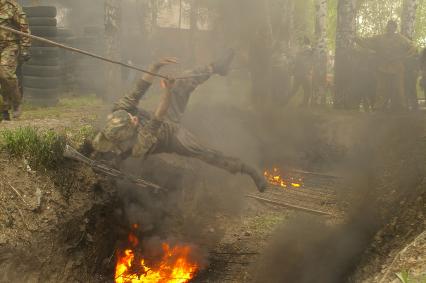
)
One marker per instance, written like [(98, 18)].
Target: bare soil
[(64, 226)]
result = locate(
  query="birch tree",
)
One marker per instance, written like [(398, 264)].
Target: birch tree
[(193, 22), (408, 19), (112, 39), (320, 71), (345, 35)]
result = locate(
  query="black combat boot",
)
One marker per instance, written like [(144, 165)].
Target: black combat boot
[(5, 116), (258, 178), (17, 112), (221, 65)]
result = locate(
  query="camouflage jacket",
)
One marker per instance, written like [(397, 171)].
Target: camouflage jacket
[(392, 51), (13, 16), (153, 134), (423, 61)]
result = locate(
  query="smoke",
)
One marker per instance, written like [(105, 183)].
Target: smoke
[(307, 249)]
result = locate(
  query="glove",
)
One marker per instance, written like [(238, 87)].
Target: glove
[(25, 55)]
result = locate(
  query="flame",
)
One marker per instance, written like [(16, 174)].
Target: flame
[(175, 265), (276, 178)]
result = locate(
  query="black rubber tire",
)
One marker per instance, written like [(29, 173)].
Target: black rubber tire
[(36, 43), (65, 33), (44, 31), (93, 30), (43, 61), (41, 11), (42, 83), (41, 71), (42, 21), (45, 52), (43, 93), (42, 102)]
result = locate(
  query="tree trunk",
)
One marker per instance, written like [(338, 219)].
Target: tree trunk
[(112, 36), (320, 70), (154, 14), (409, 17), (345, 34), (180, 14), (193, 17)]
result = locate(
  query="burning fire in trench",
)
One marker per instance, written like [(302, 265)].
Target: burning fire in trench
[(276, 178), (174, 266), (176, 263)]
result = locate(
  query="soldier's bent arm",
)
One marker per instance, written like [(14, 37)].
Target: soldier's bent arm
[(369, 43), (130, 101), (21, 22)]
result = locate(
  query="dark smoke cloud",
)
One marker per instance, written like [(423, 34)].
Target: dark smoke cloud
[(309, 250)]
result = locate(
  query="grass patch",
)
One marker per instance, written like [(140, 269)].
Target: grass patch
[(405, 277), (80, 101), (76, 137), (41, 149)]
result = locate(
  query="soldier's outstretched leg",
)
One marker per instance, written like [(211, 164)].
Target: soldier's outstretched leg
[(183, 88), (184, 143)]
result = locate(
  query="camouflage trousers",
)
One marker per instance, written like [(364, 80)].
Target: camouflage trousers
[(174, 138), (9, 54), (305, 83), (390, 91)]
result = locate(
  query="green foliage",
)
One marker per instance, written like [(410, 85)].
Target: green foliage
[(374, 15), (80, 101), (420, 29), (41, 149), (405, 277), (76, 137)]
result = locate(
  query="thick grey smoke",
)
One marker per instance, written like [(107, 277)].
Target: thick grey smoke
[(309, 250)]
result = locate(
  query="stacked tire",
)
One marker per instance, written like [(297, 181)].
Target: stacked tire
[(66, 61), (89, 73), (42, 74)]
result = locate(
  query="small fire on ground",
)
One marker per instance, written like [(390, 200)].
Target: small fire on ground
[(276, 178), (175, 265)]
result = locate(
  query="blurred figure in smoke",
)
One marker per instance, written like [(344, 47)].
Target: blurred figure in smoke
[(423, 70), (302, 70), (12, 48), (131, 131), (260, 55), (392, 50), (280, 75), (411, 79)]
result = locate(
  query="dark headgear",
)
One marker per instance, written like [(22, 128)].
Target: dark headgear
[(392, 26)]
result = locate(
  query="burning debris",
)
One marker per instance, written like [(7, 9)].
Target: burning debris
[(174, 266), (276, 178)]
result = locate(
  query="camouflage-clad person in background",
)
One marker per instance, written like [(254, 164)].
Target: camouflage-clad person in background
[(12, 48), (392, 51), (131, 131), (423, 70), (302, 70)]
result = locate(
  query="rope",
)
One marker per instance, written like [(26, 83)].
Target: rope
[(73, 49)]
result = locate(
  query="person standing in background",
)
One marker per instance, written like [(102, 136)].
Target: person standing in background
[(12, 48)]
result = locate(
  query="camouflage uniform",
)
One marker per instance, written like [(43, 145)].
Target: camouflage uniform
[(303, 67), (392, 51), (423, 69), (411, 79), (11, 47), (153, 136)]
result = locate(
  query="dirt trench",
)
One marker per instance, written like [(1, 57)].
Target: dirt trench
[(64, 226), (56, 226)]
